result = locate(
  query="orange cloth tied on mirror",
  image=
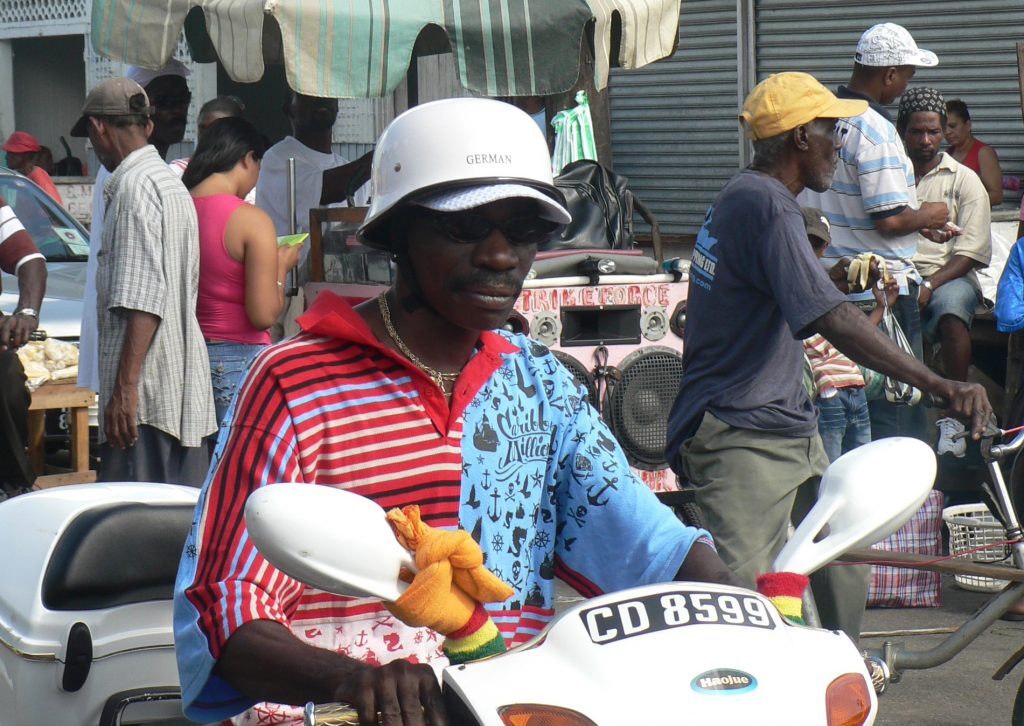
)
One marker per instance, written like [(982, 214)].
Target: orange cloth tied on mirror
[(451, 576)]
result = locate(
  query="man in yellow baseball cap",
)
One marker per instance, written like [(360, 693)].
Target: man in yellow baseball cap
[(795, 107), (742, 428)]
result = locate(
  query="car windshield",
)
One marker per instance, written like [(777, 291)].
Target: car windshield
[(56, 235)]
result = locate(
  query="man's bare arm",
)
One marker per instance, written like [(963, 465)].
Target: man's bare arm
[(264, 661), (930, 215), (957, 266), (339, 181), (850, 331), (15, 329), (119, 416), (702, 564)]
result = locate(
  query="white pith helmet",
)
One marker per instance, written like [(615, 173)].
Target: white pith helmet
[(458, 143)]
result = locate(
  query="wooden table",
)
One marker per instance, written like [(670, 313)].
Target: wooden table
[(57, 395)]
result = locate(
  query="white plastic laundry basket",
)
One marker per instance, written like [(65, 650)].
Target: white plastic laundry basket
[(972, 526)]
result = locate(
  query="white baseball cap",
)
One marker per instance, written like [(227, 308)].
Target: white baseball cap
[(889, 44)]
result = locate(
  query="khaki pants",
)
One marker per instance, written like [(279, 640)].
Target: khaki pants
[(751, 486)]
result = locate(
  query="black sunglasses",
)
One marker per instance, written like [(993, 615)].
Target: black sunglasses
[(471, 227)]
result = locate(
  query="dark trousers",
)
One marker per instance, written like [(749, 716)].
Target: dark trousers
[(15, 469), (156, 457)]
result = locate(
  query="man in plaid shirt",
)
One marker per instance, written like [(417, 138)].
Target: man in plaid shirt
[(156, 401)]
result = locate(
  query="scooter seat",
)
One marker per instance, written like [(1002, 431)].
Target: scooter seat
[(117, 554)]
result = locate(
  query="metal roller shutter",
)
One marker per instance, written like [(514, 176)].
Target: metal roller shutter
[(674, 127), (975, 42)]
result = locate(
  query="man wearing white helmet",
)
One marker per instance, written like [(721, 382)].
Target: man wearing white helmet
[(418, 396)]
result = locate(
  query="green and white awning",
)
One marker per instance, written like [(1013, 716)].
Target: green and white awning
[(363, 48)]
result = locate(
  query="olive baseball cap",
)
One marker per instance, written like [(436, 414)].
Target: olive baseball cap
[(113, 97), (783, 101), (817, 225)]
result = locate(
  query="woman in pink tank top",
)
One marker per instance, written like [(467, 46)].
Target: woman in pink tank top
[(971, 152), (241, 267)]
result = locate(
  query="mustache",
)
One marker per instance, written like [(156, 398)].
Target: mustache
[(481, 279)]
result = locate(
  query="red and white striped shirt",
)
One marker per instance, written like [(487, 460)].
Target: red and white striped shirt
[(537, 479), (830, 368)]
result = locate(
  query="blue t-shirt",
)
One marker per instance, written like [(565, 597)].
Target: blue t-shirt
[(755, 287)]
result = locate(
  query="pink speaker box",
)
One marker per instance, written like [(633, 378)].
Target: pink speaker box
[(622, 340)]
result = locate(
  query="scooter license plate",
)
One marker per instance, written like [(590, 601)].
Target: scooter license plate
[(662, 611)]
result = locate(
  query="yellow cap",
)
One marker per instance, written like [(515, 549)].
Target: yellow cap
[(783, 101)]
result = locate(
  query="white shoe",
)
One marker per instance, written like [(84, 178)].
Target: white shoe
[(948, 428)]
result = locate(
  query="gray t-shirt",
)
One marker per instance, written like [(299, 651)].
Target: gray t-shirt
[(755, 286)]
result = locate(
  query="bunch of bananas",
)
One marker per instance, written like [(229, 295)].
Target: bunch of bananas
[(859, 272)]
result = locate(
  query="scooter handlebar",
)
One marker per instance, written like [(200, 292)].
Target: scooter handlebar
[(1000, 451)]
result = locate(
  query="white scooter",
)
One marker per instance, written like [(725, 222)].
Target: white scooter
[(85, 604), (86, 635), (690, 653)]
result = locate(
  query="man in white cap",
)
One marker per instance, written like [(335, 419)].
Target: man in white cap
[(872, 205), (167, 89)]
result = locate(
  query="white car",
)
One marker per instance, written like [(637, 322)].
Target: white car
[(65, 244)]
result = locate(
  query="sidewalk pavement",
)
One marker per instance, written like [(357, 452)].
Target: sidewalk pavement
[(960, 692)]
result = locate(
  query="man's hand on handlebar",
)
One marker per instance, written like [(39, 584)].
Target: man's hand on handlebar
[(396, 694), (968, 401)]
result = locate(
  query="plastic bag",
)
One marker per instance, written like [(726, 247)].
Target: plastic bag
[(574, 135), (898, 391)]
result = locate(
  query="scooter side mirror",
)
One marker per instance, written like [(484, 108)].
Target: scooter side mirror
[(864, 496), (327, 538)]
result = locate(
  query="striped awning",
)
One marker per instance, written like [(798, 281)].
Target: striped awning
[(362, 48)]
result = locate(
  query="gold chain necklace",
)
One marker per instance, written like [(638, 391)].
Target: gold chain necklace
[(439, 378)]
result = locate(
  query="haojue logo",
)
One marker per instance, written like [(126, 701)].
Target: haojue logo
[(723, 681)]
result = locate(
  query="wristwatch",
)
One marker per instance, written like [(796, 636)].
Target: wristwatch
[(928, 284), (30, 312)]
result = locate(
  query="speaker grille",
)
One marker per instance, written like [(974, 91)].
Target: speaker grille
[(638, 407), (580, 373)]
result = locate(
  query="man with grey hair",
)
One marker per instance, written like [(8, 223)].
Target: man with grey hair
[(742, 428), (946, 259)]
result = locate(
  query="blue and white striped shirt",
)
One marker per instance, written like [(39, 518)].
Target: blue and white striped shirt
[(874, 179)]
